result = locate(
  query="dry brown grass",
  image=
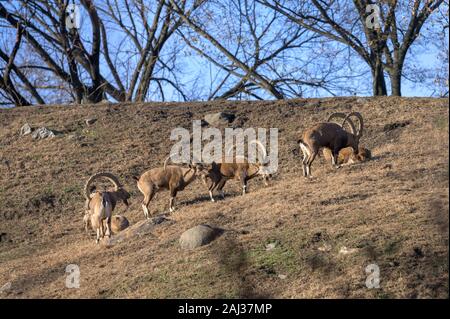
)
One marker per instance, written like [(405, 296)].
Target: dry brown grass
[(392, 209)]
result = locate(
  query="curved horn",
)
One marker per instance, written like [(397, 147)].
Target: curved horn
[(336, 115), (166, 161), (343, 116), (360, 120), (113, 179), (350, 122), (262, 148)]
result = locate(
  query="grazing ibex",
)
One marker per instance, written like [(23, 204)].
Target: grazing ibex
[(242, 170), (169, 177), (100, 204), (332, 136)]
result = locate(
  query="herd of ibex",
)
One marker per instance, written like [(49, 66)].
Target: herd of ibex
[(340, 147)]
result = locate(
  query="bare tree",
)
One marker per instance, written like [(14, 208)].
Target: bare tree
[(140, 50), (6, 84), (62, 49), (95, 59), (148, 26), (436, 35), (403, 32), (366, 27), (254, 52)]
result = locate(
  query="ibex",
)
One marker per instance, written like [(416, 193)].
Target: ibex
[(100, 204), (242, 170), (173, 178), (332, 136), (347, 156)]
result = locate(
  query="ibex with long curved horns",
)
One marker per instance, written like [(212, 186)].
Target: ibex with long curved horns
[(332, 136), (100, 204)]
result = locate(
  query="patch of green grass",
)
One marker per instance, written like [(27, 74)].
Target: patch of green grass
[(441, 123), (71, 189), (392, 246), (380, 294), (90, 133), (231, 294), (281, 258), (169, 282)]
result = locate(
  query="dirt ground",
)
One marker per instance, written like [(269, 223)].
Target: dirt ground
[(391, 211)]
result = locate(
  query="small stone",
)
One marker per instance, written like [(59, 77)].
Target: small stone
[(282, 276), (90, 121), (270, 246), (220, 118), (394, 263), (325, 248), (25, 129), (346, 251)]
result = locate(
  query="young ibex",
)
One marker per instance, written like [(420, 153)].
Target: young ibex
[(100, 204), (347, 156), (332, 136), (169, 177), (118, 223), (242, 170)]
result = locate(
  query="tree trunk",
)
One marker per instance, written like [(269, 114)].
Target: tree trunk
[(396, 77), (378, 82), (8, 87), (94, 94)]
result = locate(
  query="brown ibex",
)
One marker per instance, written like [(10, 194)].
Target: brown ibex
[(99, 205), (241, 170), (347, 156), (332, 136), (169, 177)]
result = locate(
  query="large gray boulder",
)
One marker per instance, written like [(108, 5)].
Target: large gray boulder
[(220, 118), (198, 236)]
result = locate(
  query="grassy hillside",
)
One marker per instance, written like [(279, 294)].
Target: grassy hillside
[(393, 210)]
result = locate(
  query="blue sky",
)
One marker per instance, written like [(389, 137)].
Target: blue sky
[(192, 66)]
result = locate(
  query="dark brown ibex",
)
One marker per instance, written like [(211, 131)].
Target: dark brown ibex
[(332, 136)]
